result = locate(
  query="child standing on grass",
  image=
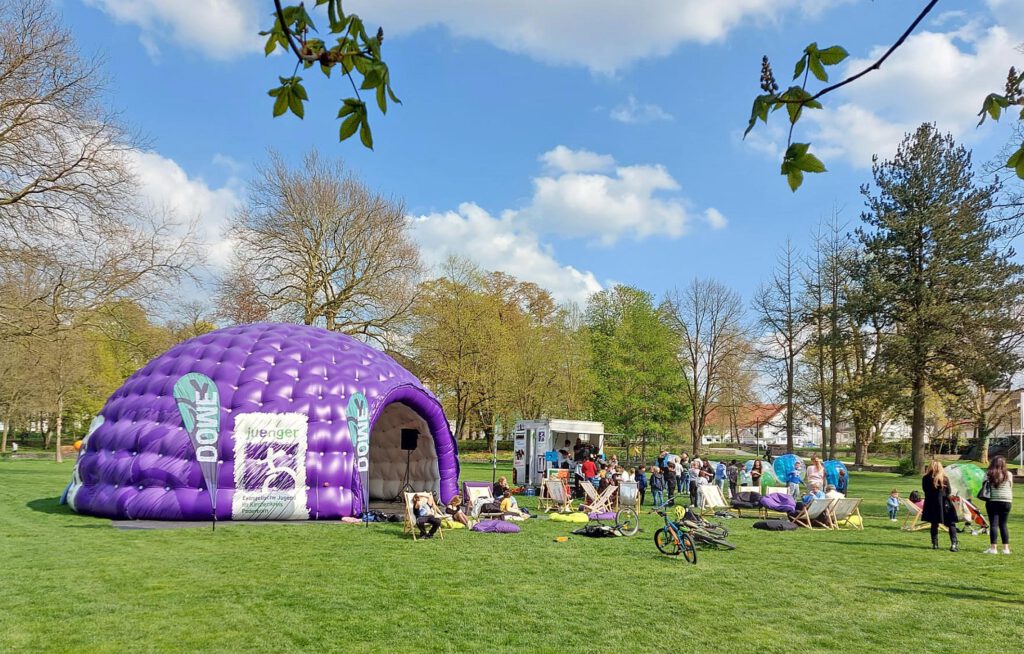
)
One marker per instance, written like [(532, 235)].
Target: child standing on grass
[(893, 503), (793, 481), (657, 486), (640, 476)]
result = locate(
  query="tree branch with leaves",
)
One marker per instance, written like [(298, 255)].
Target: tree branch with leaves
[(355, 53)]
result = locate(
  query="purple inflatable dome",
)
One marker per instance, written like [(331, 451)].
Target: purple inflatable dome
[(287, 421)]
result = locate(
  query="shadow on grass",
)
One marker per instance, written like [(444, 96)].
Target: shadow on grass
[(50, 505), (972, 593), (922, 546)]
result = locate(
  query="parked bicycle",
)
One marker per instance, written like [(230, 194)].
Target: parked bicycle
[(673, 539)]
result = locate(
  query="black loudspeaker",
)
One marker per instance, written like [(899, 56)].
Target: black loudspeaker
[(409, 438)]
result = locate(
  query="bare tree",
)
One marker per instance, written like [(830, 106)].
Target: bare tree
[(779, 311), (825, 287), (62, 155), (709, 318), (320, 248)]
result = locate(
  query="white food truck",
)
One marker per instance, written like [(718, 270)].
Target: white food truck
[(536, 443)]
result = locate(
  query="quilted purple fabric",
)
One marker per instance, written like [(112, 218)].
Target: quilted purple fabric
[(779, 502), (140, 463), (496, 527)]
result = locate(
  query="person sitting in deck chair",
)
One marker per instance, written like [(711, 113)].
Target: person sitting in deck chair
[(454, 510), (425, 516), (833, 494), (813, 493), (510, 508)]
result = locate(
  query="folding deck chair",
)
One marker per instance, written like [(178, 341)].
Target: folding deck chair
[(597, 503), (410, 517), (558, 496), (710, 500), (816, 511), (477, 494), (845, 508), (913, 520), (749, 489), (629, 495), (545, 500), (768, 490)]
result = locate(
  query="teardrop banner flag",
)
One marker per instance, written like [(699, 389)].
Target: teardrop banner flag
[(358, 414), (199, 404)]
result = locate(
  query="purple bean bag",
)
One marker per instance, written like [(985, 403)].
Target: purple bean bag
[(779, 502), (602, 516), (496, 527)]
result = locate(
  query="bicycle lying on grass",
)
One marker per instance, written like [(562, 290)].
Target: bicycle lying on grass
[(688, 529), (672, 539)]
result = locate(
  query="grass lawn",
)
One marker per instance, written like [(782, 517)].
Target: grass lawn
[(73, 583)]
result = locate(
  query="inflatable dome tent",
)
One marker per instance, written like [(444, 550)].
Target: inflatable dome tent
[(285, 421)]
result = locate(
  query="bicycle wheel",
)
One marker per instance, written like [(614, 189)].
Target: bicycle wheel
[(627, 522), (689, 551), (666, 542)]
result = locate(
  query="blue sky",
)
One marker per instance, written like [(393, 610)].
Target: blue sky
[(576, 143)]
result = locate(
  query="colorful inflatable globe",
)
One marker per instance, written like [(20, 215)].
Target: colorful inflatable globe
[(280, 421), (785, 464), (965, 479), (832, 468)]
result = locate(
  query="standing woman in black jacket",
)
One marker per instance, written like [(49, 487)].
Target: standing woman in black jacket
[(938, 510)]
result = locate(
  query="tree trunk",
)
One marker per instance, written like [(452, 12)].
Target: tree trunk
[(917, 423), (789, 408), (984, 432), (3, 437), (59, 458)]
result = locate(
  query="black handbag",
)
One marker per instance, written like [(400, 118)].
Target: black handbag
[(985, 494)]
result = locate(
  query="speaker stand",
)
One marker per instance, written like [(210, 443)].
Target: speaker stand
[(406, 486)]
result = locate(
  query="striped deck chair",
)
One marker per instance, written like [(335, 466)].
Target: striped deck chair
[(710, 500), (410, 518), (816, 512), (913, 520), (601, 503), (558, 496), (845, 508)]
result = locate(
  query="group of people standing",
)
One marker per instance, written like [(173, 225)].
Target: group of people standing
[(997, 493)]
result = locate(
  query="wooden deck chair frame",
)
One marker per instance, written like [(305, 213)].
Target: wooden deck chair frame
[(819, 510), (747, 489), (913, 520), (473, 490), (588, 490), (710, 499), (845, 508), (559, 498), (545, 500), (410, 518), (632, 490), (603, 503)]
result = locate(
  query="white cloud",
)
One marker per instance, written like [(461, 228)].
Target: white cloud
[(939, 77), (564, 160), (635, 201), (500, 244), (575, 200), (579, 32), (715, 218), (633, 112), (219, 29), (166, 185)]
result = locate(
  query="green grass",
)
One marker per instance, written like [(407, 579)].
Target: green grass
[(73, 583)]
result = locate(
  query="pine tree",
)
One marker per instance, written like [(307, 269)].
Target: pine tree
[(936, 270)]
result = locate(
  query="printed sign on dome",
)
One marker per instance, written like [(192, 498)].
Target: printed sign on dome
[(270, 467)]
